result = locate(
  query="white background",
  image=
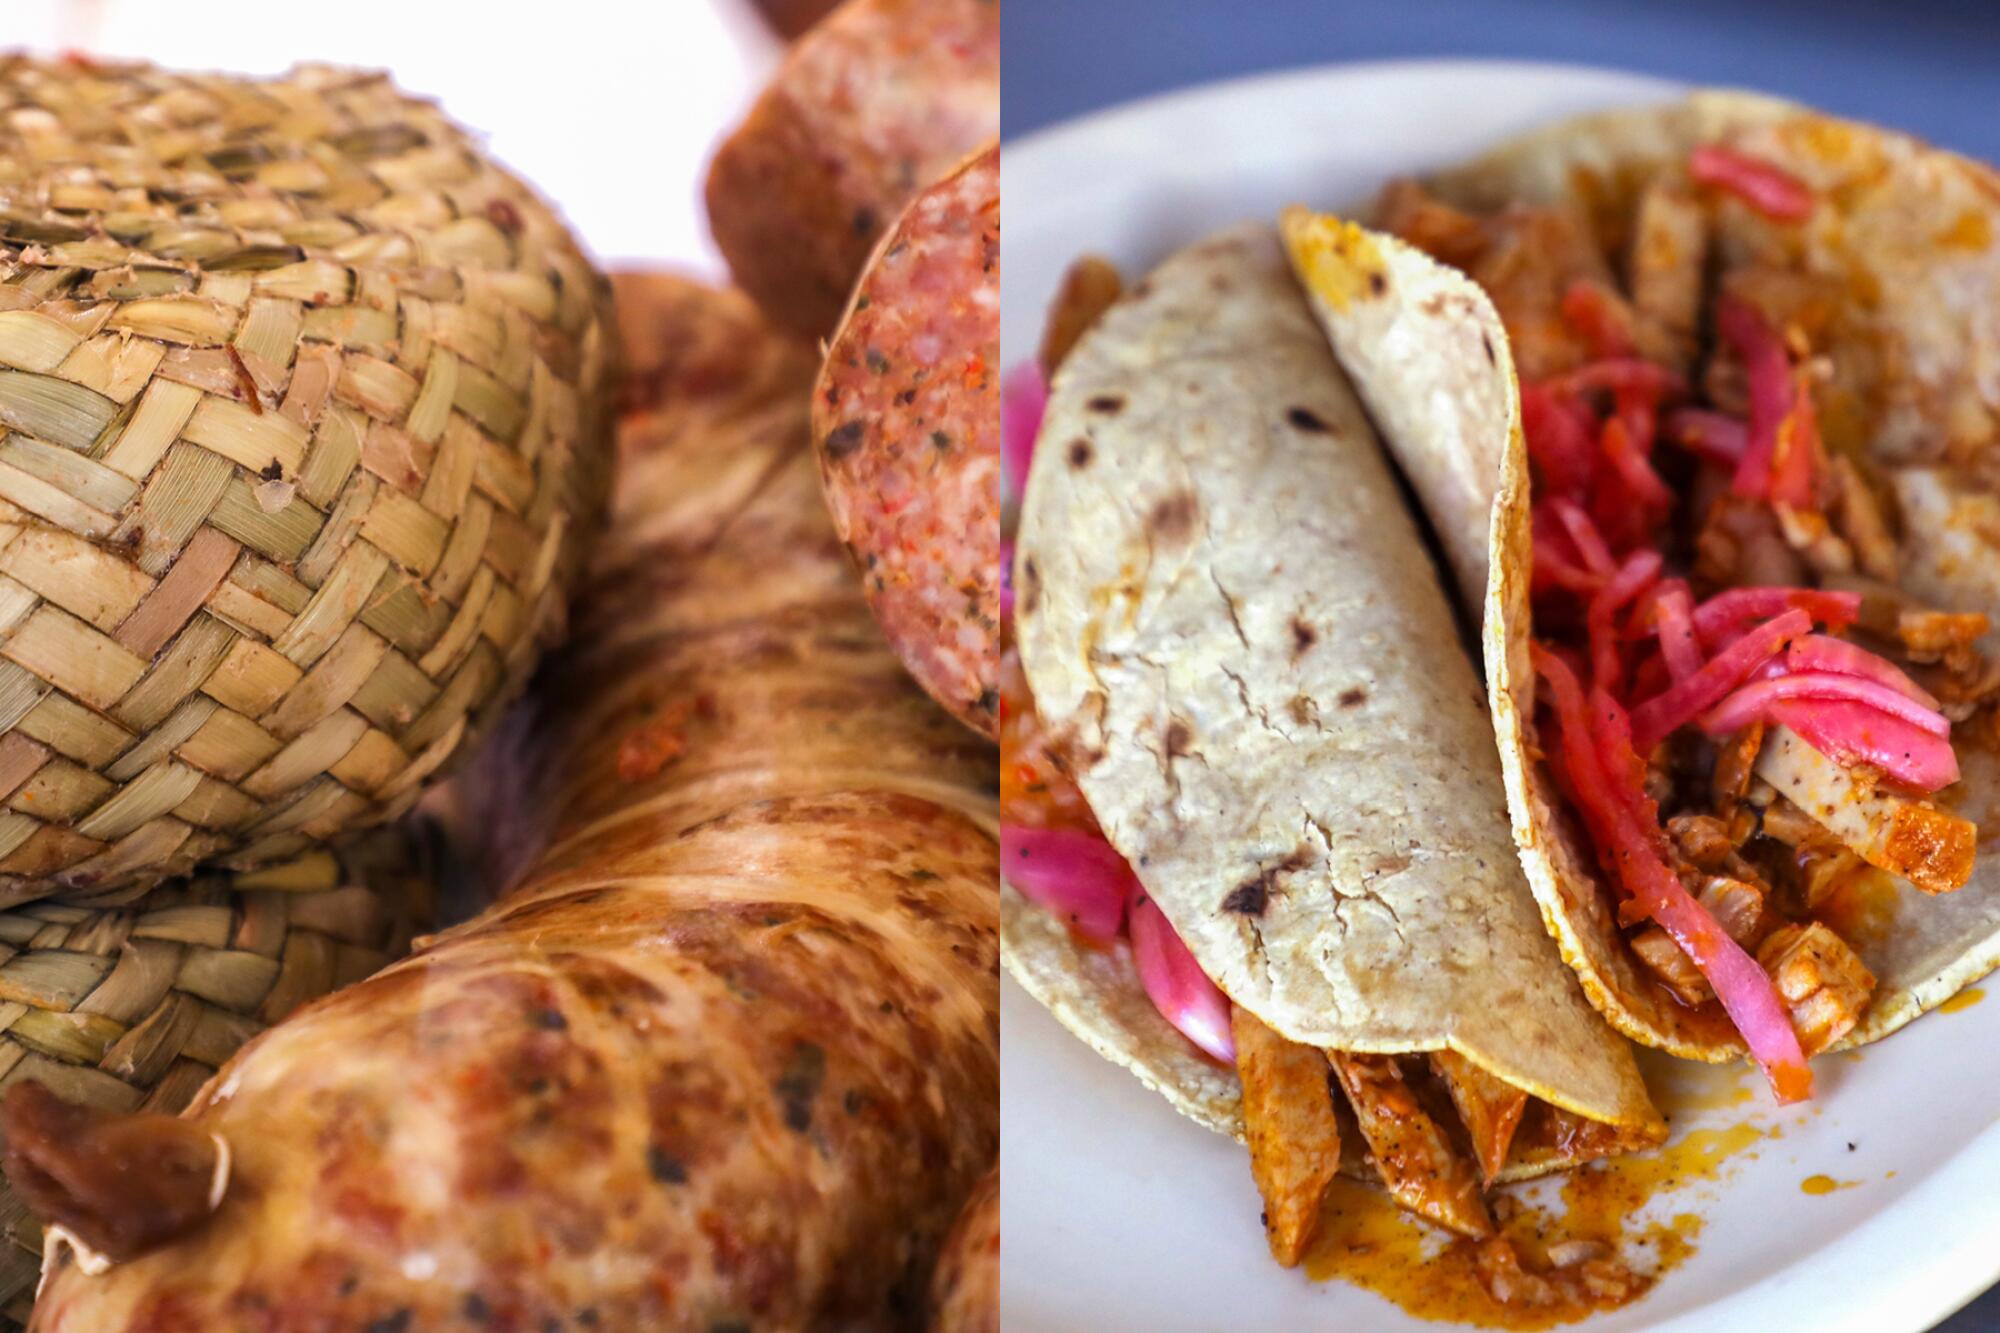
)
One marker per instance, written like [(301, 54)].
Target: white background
[(610, 107)]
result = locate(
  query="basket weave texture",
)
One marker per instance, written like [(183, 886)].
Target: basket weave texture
[(303, 429), (135, 1006)]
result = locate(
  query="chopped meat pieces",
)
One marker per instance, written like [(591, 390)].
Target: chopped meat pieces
[(1414, 1155), (1669, 251), (1675, 970), (1489, 1107), (1288, 1118), (1737, 906), (1734, 763), (1857, 513), (1931, 848), (1824, 982), (1941, 636), (1702, 839)]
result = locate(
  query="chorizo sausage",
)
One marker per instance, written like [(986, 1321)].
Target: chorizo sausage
[(965, 1290), (879, 98), (906, 417), (791, 18), (727, 1056)]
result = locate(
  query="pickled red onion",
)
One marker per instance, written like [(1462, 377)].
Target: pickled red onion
[(1175, 983), (1674, 608), (1797, 448), (1076, 875), (1553, 549), (1587, 307), (1753, 701), (1764, 186), (1619, 374), (1607, 667), (1821, 652), (1851, 733), (1721, 616), (1718, 438), (1559, 441), (1023, 399), (1625, 828), (1642, 485), (1767, 371), (1685, 700)]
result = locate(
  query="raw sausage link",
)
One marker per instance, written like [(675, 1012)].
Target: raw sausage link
[(728, 1056), (906, 416), (877, 99), (965, 1291)]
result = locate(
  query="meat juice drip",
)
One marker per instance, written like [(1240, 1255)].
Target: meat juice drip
[(1366, 1240), (1623, 1207), (1964, 1000)]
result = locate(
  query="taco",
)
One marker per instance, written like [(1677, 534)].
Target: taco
[(1282, 888), (1743, 560)]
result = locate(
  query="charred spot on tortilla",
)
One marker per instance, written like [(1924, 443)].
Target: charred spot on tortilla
[(843, 439), (1110, 404), (1080, 453), (1305, 419), (1031, 588), (1253, 895), (1304, 636), (1301, 709), (1179, 738), (1250, 897), (1378, 283), (1172, 519), (1353, 697), (1486, 344)]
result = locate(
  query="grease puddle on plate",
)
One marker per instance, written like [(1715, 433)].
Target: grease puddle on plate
[(1645, 1208), (1965, 999), (1638, 1207)]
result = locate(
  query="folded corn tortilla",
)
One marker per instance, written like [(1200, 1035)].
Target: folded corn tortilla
[(1229, 614), (1914, 236)]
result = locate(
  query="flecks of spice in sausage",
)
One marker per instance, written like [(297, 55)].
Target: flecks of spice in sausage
[(664, 1167), (800, 1083), (844, 439)]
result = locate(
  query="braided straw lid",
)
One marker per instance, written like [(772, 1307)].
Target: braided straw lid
[(135, 1007), (302, 425)]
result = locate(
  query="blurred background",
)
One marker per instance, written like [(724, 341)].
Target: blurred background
[(611, 106), (1928, 66)]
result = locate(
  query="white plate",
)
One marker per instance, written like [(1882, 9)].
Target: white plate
[(1118, 1213)]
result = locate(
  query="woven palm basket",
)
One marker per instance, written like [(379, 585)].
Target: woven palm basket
[(303, 425), (136, 1006)]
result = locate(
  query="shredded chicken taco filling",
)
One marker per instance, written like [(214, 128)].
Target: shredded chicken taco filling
[(1743, 709), (1435, 1131)]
